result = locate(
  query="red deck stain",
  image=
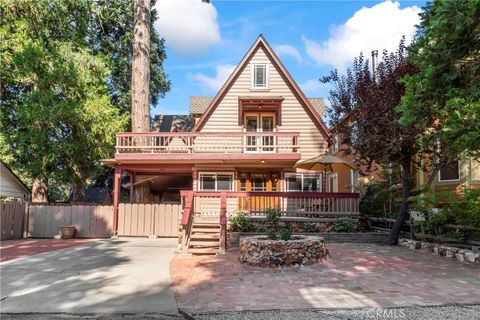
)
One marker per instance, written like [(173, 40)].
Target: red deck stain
[(13, 249)]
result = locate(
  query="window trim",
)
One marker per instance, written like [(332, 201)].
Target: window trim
[(439, 176), (289, 174), (470, 171), (216, 173), (252, 78)]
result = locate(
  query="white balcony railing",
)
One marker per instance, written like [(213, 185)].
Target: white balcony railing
[(206, 142)]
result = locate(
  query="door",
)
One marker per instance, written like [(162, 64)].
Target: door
[(260, 122), (259, 182)]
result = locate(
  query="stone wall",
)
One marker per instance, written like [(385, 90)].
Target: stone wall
[(463, 255), (264, 252)]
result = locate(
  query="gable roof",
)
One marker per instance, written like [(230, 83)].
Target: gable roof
[(172, 123), (261, 42), (199, 104), (6, 167)]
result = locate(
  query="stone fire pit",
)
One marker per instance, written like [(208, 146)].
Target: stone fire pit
[(264, 252)]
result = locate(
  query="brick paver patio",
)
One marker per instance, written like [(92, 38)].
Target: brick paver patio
[(355, 276)]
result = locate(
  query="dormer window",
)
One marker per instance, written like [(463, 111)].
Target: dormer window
[(260, 75)]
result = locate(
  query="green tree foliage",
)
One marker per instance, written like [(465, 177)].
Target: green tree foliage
[(111, 34), (443, 99), (57, 119)]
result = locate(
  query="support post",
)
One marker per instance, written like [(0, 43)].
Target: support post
[(116, 198), (223, 222), (132, 182)]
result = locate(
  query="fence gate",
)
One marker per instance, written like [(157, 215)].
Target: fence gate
[(12, 219), (141, 220)]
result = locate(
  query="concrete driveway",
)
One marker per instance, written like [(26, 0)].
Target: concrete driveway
[(104, 276)]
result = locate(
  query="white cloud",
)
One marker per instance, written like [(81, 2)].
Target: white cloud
[(223, 71), (288, 51), (311, 86), (188, 26), (376, 28)]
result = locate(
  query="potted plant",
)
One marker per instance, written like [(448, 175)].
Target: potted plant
[(67, 232)]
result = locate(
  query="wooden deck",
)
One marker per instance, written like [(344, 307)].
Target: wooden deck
[(207, 142)]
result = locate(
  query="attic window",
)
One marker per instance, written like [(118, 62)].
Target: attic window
[(259, 79)]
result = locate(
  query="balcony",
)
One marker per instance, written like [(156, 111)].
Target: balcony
[(194, 145)]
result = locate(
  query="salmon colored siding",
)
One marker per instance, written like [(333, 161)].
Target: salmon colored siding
[(294, 117)]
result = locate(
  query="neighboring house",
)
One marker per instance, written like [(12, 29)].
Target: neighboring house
[(463, 172), (11, 187), (236, 150)]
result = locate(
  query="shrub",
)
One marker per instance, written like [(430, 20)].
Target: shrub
[(309, 227), (285, 234), (273, 218), (344, 225), (272, 234), (239, 222), (260, 228), (445, 208)]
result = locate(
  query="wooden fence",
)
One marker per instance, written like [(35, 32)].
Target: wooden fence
[(148, 219), (12, 215), (90, 221)]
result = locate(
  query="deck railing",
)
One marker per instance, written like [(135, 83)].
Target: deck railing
[(300, 205), (207, 142)]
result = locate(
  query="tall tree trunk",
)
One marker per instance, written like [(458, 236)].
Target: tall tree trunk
[(78, 192), (40, 190), (141, 81), (141, 67), (402, 214), (141, 193)]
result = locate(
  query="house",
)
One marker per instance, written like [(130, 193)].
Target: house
[(236, 151), (462, 172), (11, 187)]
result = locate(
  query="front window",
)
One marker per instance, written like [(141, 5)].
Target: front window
[(259, 79), (303, 182), (216, 181), (450, 171)]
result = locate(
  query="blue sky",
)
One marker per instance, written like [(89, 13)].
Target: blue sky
[(206, 41)]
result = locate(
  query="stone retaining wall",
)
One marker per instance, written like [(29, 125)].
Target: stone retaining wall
[(233, 239), (300, 250), (463, 255)]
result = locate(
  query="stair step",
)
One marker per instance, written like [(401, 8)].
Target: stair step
[(205, 236), (204, 230), (206, 224), (196, 243), (203, 250)]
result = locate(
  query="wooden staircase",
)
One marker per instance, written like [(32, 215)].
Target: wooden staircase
[(204, 236)]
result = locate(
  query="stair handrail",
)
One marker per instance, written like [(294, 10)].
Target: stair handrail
[(187, 215)]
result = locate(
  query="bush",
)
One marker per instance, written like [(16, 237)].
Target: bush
[(272, 234), (285, 234), (310, 227), (260, 228), (445, 208), (239, 222), (344, 225)]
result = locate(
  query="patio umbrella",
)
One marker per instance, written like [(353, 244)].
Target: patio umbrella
[(325, 162)]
